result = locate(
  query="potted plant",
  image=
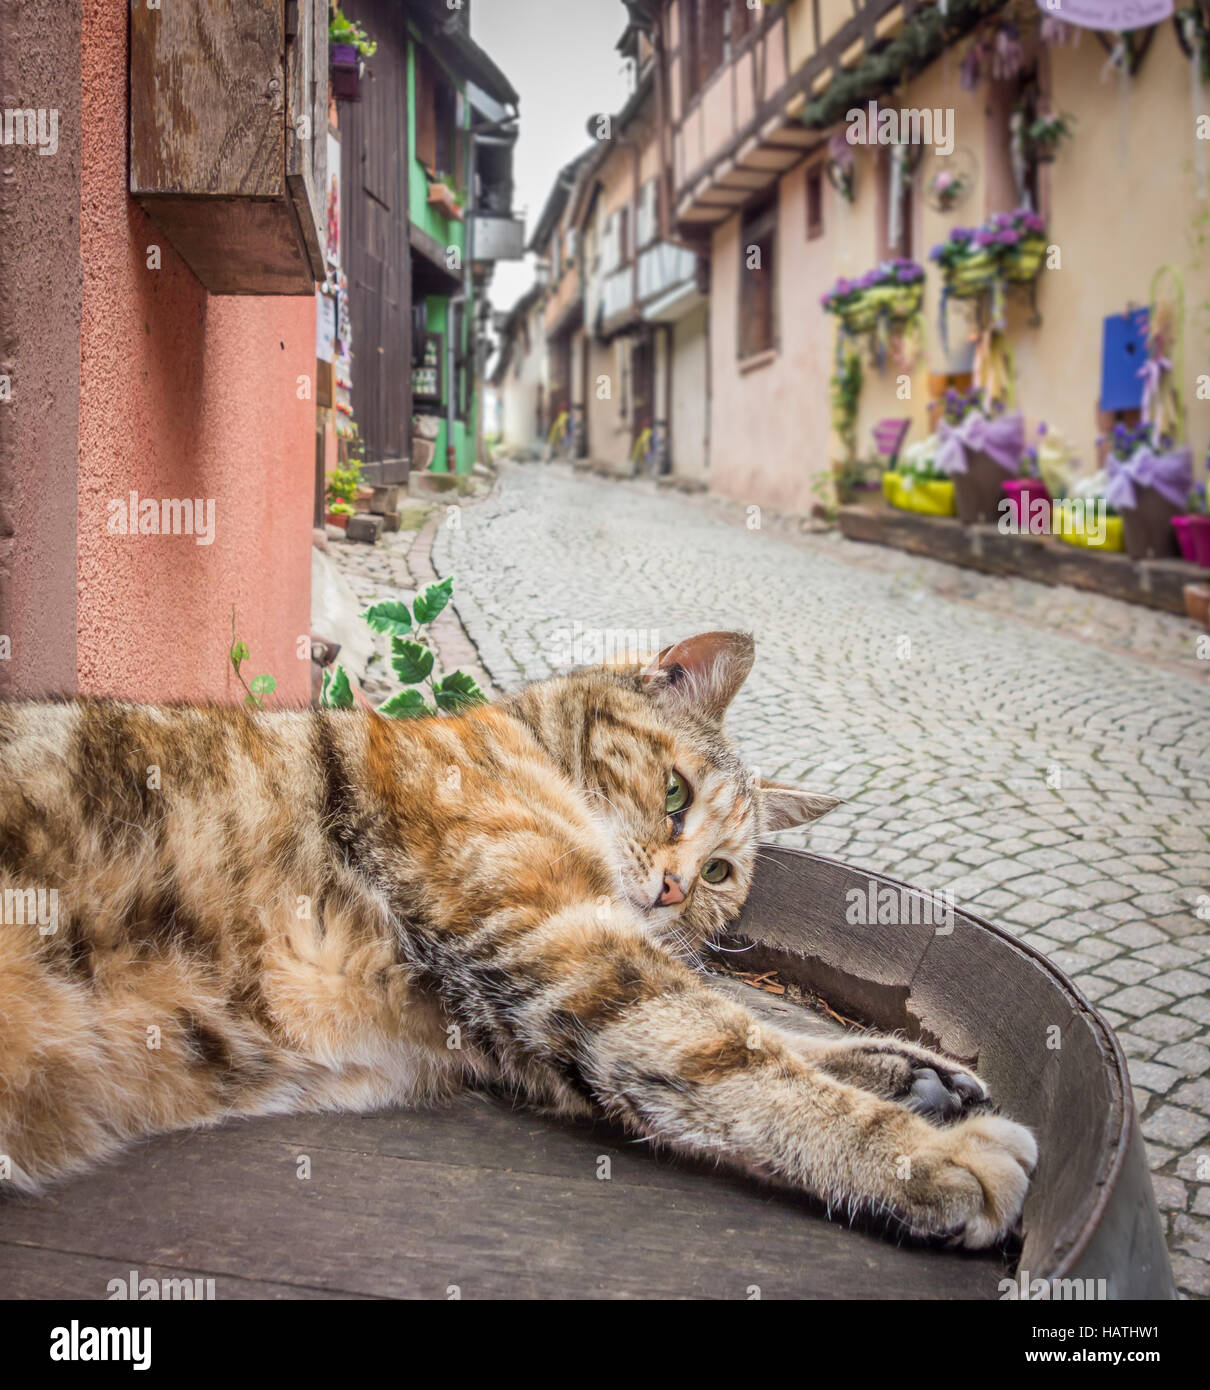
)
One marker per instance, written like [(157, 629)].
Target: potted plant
[(445, 197), (1193, 529), (980, 445), (1084, 517), (947, 188), (1046, 134), (341, 490), (1029, 499), (348, 45), (916, 484), (1150, 480)]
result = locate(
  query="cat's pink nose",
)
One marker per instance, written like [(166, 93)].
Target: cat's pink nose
[(673, 891)]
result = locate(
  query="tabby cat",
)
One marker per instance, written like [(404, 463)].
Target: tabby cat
[(248, 914)]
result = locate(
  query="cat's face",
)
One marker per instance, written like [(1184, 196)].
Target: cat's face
[(647, 746)]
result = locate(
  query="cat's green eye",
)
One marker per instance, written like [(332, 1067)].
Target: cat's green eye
[(716, 870), (676, 796)]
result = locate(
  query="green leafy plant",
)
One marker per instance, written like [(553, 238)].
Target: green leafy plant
[(846, 394), (342, 485), (342, 30), (261, 685), (447, 181), (412, 659), (1047, 131)]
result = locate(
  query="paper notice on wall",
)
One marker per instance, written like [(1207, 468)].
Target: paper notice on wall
[(333, 201), (325, 327), (1110, 15)]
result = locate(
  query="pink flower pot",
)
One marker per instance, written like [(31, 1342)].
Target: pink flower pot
[(1023, 495), (1184, 536), (1199, 530)]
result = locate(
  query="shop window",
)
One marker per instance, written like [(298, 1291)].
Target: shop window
[(758, 279)]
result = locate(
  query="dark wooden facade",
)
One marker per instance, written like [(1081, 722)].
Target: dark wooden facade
[(377, 258)]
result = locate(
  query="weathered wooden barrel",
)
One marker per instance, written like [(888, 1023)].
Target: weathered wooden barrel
[(958, 984), (497, 1201)]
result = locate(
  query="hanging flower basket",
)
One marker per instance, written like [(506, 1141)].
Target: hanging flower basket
[(1008, 246), (1023, 262), (860, 315), (970, 278), (892, 291)]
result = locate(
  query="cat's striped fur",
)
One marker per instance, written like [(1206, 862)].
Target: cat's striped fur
[(288, 911)]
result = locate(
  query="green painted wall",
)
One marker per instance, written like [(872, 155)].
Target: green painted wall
[(449, 231)]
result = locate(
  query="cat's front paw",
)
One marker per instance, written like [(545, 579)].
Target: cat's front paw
[(934, 1087), (969, 1182)]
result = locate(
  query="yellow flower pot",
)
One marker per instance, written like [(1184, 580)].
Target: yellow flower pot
[(932, 498), (1076, 533)]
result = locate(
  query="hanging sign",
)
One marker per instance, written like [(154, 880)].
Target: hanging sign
[(1115, 16)]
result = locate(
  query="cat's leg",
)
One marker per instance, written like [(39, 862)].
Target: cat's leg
[(596, 1012)]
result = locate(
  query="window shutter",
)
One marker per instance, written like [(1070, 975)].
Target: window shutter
[(710, 19), (426, 113)]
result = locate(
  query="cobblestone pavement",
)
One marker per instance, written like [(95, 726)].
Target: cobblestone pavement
[(984, 739)]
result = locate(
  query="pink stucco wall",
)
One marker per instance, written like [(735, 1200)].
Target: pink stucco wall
[(182, 395)]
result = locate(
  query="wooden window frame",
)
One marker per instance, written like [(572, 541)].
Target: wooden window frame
[(758, 227)]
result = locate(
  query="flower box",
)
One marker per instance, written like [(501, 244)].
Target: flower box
[(1199, 532), (929, 496), (340, 519), (442, 197), (344, 72), (1024, 496), (1076, 532)]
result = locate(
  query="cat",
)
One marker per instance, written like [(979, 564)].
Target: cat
[(210, 912)]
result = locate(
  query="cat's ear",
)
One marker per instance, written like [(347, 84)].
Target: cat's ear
[(782, 806), (703, 672)]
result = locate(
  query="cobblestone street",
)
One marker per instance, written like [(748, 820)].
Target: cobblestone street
[(984, 741)]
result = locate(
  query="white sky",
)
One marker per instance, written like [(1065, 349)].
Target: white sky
[(561, 58)]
